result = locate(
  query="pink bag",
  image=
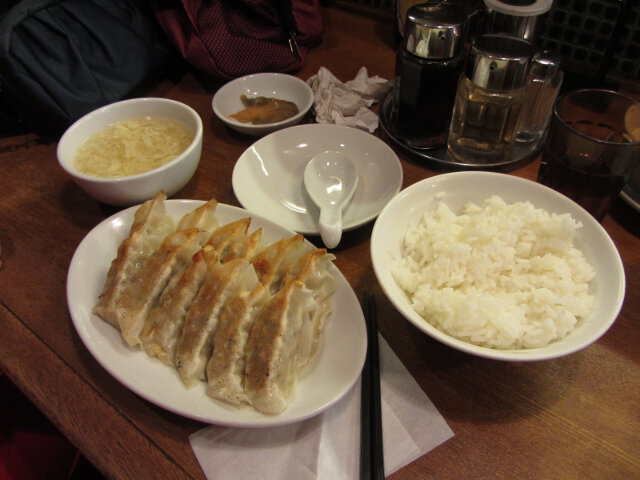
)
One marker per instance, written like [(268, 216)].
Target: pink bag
[(232, 38)]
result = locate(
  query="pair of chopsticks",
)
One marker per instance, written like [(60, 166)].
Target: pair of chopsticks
[(371, 452)]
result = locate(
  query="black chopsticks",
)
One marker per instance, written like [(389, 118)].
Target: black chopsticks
[(371, 452)]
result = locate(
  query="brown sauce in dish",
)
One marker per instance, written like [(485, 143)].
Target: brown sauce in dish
[(263, 110)]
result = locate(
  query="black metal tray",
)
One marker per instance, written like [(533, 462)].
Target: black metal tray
[(520, 154)]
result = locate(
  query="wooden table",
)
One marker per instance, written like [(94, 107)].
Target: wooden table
[(574, 417)]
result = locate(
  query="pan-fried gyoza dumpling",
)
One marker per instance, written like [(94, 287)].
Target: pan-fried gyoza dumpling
[(202, 218), (225, 370), (272, 262), (271, 368), (285, 336), (312, 270), (194, 347), (164, 323), (246, 248), (137, 299), (228, 235), (151, 224)]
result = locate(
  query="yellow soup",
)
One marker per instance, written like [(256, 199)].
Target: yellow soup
[(132, 146)]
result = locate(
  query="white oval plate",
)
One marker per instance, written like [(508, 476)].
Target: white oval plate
[(268, 176), (336, 369), (457, 189)]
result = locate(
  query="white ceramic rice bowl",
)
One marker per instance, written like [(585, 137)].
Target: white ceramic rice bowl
[(457, 189)]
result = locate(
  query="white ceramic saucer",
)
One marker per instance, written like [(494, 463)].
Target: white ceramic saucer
[(268, 176)]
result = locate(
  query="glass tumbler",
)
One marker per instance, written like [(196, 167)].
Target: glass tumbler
[(589, 155)]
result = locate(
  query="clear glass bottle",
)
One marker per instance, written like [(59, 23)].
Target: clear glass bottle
[(428, 65), (543, 84), (488, 100)]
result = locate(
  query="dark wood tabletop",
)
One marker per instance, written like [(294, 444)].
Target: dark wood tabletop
[(572, 417)]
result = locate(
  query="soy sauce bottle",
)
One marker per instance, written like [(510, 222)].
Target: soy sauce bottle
[(428, 65)]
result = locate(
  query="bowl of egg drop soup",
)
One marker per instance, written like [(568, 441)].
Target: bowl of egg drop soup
[(123, 153)]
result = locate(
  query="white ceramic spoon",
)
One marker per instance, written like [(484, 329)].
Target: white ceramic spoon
[(330, 179)]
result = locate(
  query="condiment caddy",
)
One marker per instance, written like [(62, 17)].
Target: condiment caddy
[(468, 98)]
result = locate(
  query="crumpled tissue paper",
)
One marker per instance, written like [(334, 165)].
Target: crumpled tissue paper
[(327, 446), (347, 103)]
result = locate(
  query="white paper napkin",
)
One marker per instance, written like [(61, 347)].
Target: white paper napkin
[(347, 103), (327, 447)]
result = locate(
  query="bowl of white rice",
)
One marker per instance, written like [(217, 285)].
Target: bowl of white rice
[(497, 266)]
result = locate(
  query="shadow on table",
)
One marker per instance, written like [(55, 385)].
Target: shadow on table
[(482, 390), (31, 448), (626, 215)]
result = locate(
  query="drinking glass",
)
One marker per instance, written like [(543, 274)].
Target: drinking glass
[(588, 155)]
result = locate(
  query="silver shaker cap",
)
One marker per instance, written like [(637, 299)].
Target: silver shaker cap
[(434, 30), (499, 62)]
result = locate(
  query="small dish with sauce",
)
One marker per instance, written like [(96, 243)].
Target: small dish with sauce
[(123, 153), (262, 103)]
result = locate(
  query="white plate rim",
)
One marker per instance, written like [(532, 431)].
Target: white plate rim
[(384, 245), (316, 392), (251, 196)]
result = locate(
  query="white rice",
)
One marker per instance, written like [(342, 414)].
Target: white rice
[(504, 276)]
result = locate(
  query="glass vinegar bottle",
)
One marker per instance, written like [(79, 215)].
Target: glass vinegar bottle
[(483, 122), (488, 100)]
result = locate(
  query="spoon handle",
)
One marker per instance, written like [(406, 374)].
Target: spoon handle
[(330, 226)]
